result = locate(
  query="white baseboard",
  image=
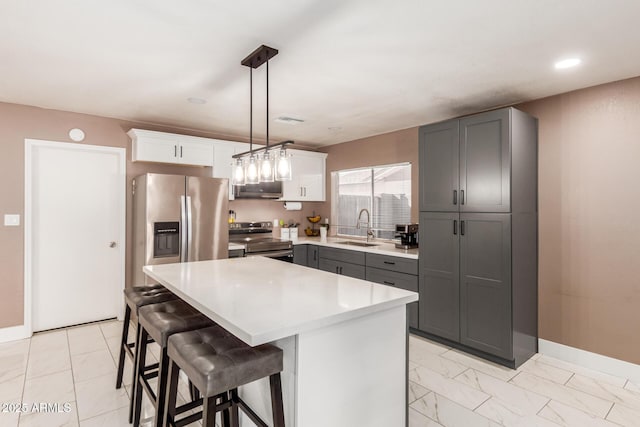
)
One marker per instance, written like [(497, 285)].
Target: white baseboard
[(14, 333), (590, 360)]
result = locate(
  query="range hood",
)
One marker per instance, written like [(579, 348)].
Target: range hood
[(263, 190)]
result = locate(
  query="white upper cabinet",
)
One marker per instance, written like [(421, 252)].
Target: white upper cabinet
[(161, 147), (307, 184)]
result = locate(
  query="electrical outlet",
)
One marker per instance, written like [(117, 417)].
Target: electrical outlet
[(11, 220)]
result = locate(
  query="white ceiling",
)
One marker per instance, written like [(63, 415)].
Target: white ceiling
[(363, 66)]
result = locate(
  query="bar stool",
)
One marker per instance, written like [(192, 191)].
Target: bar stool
[(136, 297), (159, 321), (217, 363)]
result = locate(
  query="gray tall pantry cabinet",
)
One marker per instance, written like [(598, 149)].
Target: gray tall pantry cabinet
[(478, 234)]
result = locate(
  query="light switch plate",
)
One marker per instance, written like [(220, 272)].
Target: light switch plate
[(11, 220)]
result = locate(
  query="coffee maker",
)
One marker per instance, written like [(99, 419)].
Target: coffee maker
[(408, 234)]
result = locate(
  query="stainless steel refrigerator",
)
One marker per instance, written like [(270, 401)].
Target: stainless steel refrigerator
[(178, 219)]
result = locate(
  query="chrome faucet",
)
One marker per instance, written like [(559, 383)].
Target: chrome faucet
[(369, 231)]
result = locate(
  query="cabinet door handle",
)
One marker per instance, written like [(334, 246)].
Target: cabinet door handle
[(455, 197), (389, 262), (388, 283), (340, 269), (455, 226), (462, 228), (300, 191), (175, 151), (305, 191), (462, 197), (337, 269), (181, 151)]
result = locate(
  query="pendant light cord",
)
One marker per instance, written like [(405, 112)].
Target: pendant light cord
[(251, 110), (267, 104)]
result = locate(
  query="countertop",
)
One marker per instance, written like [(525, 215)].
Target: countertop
[(261, 300), (383, 248)]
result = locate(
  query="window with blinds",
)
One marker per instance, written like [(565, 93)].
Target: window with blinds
[(385, 191)]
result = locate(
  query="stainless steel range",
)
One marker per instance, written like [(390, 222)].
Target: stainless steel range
[(257, 239)]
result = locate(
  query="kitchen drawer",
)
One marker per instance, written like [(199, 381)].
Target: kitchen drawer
[(399, 280), (392, 278), (343, 268), (393, 263), (353, 257)]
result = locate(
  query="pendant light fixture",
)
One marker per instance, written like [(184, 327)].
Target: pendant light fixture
[(261, 167)]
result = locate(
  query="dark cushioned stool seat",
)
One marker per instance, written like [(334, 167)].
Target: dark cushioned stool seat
[(216, 361), (159, 321), (167, 318), (139, 296)]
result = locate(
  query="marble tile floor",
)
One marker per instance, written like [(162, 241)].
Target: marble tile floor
[(76, 368)]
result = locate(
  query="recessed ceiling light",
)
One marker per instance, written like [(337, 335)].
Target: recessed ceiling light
[(567, 63), (288, 120), (198, 101)]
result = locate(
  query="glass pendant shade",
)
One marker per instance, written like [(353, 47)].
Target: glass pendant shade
[(266, 167), (238, 173), (283, 166), (251, 172)]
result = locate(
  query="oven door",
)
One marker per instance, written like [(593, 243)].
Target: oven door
[(286, 255)]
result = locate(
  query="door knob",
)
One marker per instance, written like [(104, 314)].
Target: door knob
[(112, 244)]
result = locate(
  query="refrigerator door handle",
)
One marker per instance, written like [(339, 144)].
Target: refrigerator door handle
[(189, 230), (183, 229)]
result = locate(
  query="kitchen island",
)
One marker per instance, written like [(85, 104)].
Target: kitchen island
[(344, 339)]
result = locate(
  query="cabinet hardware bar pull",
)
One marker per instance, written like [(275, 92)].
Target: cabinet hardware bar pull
[(462, 228), (175, 151), (390, 262), (337, 269), (181, 151), (455, 226), (455, 197), (462, 197), (388, 283)]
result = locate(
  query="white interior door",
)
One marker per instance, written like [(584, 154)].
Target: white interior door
[(76, 225)]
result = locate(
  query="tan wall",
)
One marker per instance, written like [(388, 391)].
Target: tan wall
[(589, 234), (389, 148), (20, 122)]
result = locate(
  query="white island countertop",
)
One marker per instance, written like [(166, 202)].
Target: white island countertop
[(262, 300)]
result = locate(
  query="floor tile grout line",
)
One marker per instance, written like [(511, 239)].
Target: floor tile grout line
[(73, 377), (569, 379), (24, 380), (609, 411), (544, 406)]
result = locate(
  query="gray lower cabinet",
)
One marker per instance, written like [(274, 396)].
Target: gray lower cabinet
[(300, 254), (485, 283), (440, 274), (465, 280), (399, 280)]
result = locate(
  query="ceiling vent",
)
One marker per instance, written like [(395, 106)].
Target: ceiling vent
[(288, 120)]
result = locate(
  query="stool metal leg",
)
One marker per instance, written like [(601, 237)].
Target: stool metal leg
[(123, 343), (169, 411), (162, 386), (233, 410), (134, 381), (276, 400), (141, 357), (209, 411)]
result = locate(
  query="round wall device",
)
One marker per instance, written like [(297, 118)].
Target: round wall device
[(76, 134)]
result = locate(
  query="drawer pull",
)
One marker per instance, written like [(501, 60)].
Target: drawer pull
[(388, 283), (390, 262)]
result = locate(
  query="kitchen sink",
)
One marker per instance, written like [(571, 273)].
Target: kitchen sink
[(363, 244)]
